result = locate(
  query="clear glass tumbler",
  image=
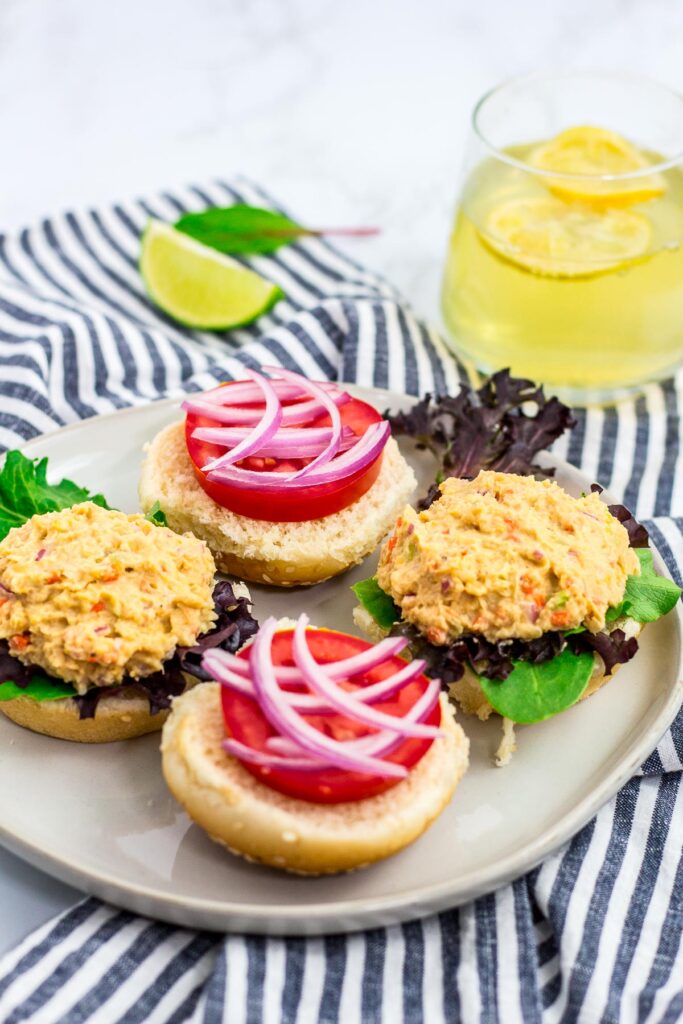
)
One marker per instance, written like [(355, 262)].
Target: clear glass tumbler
[(566, 258)]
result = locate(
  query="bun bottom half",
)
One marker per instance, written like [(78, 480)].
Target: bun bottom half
[(122, 716), (263, 825), (283, 554)]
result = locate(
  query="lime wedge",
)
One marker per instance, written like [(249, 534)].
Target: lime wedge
[(199, 286)]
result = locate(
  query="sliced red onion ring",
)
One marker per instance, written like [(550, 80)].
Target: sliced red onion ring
[(303, 702), (244, 391), (289, 443), (347, 668), (266, 760), (307, 703), (347, 702), (369, 447), (420, 709), (379, 744), (300, 413), (262, 432), (289, 723), (319, 393)]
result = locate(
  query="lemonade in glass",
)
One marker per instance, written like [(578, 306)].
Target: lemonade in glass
[(566, 258)]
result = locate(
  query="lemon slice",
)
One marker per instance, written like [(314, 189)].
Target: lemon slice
[(199, 286), (549, 237), (593, 152)]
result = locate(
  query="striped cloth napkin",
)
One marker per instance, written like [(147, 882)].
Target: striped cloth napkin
[(594, 934)]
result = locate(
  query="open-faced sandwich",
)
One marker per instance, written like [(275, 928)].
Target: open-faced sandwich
[(521, 598), (313, 751), (103, 616), (288, 481)]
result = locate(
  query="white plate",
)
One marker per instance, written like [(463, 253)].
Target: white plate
[(101, 818)]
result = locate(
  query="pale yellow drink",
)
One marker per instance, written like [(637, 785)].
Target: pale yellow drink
[(573, 284)]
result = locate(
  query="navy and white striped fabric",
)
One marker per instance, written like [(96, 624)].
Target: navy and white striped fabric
[(592, 935)]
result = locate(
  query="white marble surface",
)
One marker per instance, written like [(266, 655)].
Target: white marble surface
[(352, 113)]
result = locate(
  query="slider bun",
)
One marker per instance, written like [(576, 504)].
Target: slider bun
[(119, 717), (266, 826), (284, 554)]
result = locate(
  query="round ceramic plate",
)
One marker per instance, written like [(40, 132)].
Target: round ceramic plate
[(102, 819)]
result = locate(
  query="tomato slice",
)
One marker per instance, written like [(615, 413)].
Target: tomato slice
[(304, 503), (245, 721)]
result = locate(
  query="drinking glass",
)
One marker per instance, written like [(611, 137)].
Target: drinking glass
[(566, 258)]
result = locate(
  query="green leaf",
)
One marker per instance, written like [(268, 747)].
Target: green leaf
[(241, 229), (25, 492), (648, 597), (532, 693), (156, 515), (40, 688), (376, 602), (251, 229)]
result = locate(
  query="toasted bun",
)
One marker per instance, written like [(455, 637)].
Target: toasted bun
[(286, 554), (120, 717), (263, 825), (468, 692)]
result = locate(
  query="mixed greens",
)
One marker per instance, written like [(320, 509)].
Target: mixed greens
[(25, 492), (501, 426)]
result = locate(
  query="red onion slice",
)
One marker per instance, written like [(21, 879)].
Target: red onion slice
[(368, 448), (245, 392), (288, 443), (379, 744), (304, 702), (307, 703), (289, 723), (347, 668), (300, 413), (318, 393), (262, 432), (265, 760), (346, 702)]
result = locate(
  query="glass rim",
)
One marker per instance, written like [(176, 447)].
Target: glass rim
[(499, 154)]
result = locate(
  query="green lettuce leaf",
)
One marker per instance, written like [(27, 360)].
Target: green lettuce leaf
[(532, 693), (376, 602), (40, 688), (647, 597), (25, 492), (156, 515)]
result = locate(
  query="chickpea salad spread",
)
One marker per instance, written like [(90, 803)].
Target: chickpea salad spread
[(506, 556), (92, 595)]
